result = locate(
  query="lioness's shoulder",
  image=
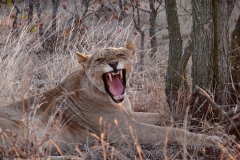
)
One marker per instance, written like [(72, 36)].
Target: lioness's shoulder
[(73, 81)]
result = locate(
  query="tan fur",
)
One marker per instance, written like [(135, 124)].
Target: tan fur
[(85, 108)]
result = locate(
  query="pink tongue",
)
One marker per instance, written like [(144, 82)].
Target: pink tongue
[(115, 86)]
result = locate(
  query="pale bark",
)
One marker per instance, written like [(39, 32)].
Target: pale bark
[(187, 52)]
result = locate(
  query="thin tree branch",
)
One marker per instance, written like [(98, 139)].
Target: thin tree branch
[(54, 14), (136, 6), (188, 11), (16, 15), (136, 22), (217, 108), (39, 13), (160, 3), (30, 11), (75, 3)]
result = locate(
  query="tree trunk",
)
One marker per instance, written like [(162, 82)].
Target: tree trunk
[(231, 4), (141, 54), (152, 29), (173, 79), (202, 56), (235, 62), (184, 60), (221, 42), (210, 52)]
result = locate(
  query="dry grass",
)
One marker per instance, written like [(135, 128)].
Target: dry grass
[(27, 69)]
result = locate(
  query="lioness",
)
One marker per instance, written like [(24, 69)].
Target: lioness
[(93, 103)]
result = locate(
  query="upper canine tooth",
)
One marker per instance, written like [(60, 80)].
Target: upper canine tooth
[(110, 76), (121, 75)]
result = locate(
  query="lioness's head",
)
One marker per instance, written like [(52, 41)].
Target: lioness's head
[(110, 69)]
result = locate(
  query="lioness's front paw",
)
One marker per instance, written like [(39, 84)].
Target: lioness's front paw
[(214, 141)]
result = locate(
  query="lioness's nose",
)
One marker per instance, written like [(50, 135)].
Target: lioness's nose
[(113, 63)]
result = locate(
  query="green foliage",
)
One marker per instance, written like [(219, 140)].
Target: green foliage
[(25, 16), (33, 30), (9, 2)]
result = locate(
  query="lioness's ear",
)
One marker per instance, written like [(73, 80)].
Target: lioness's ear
[(81, 57), (131, 46)]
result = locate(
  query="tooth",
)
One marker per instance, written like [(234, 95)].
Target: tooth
[(115, 73), (110, 76), (121, 75)]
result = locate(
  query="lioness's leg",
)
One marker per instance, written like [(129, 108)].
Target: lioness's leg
[(151, 134), (146, 133), (145, 117)]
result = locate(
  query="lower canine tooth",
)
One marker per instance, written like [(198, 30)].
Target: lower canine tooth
[(121, 75), (110, 76)]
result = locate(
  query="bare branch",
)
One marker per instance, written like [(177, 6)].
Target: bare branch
[(217, 108), (39, 13), (16, 15), (234, 111), (143, 10), (54, 14), (188, 11), (75, 3), (231, 118), (136, 6), (233, 128), (136, 22), (159, 4), (234, 50), (30, 11)]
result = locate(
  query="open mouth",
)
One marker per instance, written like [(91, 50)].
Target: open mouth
[(115, 84)]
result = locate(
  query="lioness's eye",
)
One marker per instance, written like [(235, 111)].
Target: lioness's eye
[(121, 55), (100, 60)]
